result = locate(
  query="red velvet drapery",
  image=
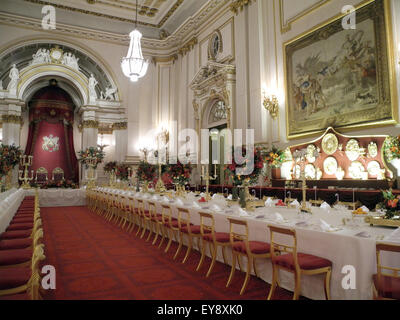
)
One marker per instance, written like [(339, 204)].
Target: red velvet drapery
[(50, 138)]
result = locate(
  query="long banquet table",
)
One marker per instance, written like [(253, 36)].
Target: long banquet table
[(342, 247), (60, 197)]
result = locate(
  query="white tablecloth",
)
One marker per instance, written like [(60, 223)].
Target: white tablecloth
[(342, 247), (60, 197), (9, 206)]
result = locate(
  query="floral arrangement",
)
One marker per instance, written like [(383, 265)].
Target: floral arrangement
[(9, 158), (146, 172), (274, 157), (391, 148), (90, 153), (122, 171), (256, 158), (177, 173), (51, 184), (110, 166), (390, 204)]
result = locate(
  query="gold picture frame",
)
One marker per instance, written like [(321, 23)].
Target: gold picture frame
[(342, 78)]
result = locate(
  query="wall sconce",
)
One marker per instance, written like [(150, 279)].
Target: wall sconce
[(271, 104)]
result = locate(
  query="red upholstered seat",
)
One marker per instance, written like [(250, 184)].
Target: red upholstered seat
[(11, 257), (193, 229), (18, 234), (219, 236), (158, 217), (174, 223), (22, 219), (20, 226), (14, 277), (306, 261), (15, 244), (388, 287), (256, 247)]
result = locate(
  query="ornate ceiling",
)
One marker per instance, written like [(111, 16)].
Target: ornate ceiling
[(151, 13)]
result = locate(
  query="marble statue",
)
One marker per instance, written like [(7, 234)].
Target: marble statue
[(14, 77), (70, 60), (92, 91), (41, 56), (109, 95)]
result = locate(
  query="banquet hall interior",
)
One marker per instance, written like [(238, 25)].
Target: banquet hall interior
[(199, 150)]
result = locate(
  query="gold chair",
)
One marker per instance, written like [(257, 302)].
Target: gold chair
[(57, 174), (24, 282), (286, 257), (41, 175), (169, 223), (186, 228), (213, 239), (242, 247), (386, 285)]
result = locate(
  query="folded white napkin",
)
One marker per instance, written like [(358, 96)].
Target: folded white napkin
[(269, 202), (295, 203), (202, 194), (165, 199), (324, 225), (365, 209), (325, 206), (196, 205), (363, 234), (278, 217), (242, 212), (215, 207), (179, 202), (230, 197)]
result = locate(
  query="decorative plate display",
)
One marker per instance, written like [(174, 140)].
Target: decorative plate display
[(319, 174), (297, 172), (309, 171), (352, 150), (374, 168), (372, 150), (311, 150), (340, 173), (330, 144), (356, 170), (330, 166)]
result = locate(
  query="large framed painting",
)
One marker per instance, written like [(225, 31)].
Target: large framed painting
[(342, 78)]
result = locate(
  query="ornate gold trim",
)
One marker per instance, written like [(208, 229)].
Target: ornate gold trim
[(105, 128), (11, 118), (188, 46), (120, 126), (102, 15), (237, 5), (288, 26), (94, 124)]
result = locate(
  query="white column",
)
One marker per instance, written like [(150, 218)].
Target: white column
[(120, 131)]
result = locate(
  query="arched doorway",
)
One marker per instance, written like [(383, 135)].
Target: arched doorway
[(50, 137)]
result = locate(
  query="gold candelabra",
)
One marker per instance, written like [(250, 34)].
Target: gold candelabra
[(25, 161), (160, 187), (91, 176), (206, 176), (113, 178)]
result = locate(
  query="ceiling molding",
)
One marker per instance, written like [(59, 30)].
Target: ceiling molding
[(144, 11), (155, 47)]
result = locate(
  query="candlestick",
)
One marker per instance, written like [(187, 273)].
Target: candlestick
[(25, 162), (207, 178)]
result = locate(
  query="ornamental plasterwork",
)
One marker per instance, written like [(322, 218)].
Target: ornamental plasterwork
[(10, 118), (237, 5), (120, 126), (90, 124), (188, 46)]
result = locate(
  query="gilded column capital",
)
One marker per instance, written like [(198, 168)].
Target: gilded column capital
[(90, 124), (120, 126), (237, 5), (11, 118)]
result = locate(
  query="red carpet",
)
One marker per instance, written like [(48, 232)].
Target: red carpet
[(96, 260)]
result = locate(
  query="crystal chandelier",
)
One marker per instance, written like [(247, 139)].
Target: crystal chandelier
[(134, 66)]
